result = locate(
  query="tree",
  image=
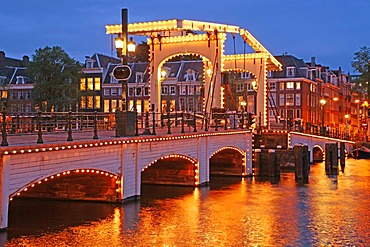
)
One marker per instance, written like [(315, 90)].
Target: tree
[(56, 78), (361, 64), (361, 60)]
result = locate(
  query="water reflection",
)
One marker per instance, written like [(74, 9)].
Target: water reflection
[(328, 210)]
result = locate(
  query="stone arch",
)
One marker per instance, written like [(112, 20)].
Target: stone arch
[(229, 161), (318, 153), (52, 186), (174, 169)]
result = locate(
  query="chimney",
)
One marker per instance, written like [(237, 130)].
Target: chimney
[(313, 62), (25, 61), (2, 59)]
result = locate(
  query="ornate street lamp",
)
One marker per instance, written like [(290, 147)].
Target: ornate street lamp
[(322, 103), (125, 120)]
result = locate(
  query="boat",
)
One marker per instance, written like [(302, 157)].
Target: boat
[(361, 153)]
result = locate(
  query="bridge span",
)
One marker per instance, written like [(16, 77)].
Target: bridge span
[(113, 169)]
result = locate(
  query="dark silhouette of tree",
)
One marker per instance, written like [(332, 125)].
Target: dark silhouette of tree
[(56, 77)]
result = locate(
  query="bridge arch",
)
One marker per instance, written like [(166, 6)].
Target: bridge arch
[(318, 153), (229, 161), (174, 169), (77, 184)]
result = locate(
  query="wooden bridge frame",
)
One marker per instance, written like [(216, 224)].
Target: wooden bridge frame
[(169, 38)]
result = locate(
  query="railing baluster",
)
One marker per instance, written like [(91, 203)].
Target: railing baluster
[(95, 126), (39, 128), (70, 127)]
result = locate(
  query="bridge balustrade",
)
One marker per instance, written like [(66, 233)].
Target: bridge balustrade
[(39, 124)]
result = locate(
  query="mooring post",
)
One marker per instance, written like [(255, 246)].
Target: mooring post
[(331, 158), (302, 162), (342, 156), (273, 167), (257, 162)]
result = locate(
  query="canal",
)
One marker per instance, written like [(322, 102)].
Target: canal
[(328, 211)]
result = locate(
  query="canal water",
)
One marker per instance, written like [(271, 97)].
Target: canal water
[(328, 211)]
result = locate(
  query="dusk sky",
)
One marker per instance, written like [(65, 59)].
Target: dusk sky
[(330, 30)]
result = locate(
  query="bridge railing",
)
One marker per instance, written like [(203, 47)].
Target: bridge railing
[(146, 123)]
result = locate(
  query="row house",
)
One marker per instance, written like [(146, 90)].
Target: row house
[(16, 87), (310, 94), (181, 86)]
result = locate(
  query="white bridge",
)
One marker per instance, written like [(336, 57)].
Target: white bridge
[(113, 169)]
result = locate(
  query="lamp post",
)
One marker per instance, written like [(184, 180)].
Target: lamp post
[(346, 131), (357, 101), (323, 102), (125, 120)]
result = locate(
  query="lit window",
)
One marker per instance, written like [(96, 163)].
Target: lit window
[(97, 83), (290, 99), (290, 85), (298, 85), (82, 84), (97, 102), (90, 85), (281, 86)]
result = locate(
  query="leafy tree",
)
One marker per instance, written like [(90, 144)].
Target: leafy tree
[(56, 77), (142, 52), (361, 64)]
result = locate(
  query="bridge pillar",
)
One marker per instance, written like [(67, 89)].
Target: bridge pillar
[(342, 156), (4, 188), (130, 160)]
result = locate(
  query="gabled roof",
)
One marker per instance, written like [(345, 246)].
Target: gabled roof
[(290, 61)]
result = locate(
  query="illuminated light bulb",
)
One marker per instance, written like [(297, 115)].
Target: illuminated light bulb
[(18, 194), (39, 182)]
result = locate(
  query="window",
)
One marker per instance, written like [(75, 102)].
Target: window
[(90, 85), (190, 104), (290, 71), (272, 86), (106, 105), (164, 90), (249, 86), (172, 90), (272, 100), (182, 90), (281, 86), (20, 95), (97, 102), (298, 99), (182, 104), (97, 83), (139, 77), (120, 91), (240, 87), (298, 85), (106, 91), (190, 75), (2, 79), (190, 90), (83, 102), (281, 100), (28, 94), (245, 75), (290, 99), (290, 85), (83, 84), (146, 91), (90, 102), (21, 80), (114, 91), (269, 74), (198, 90), (298, 113), (89, 64), (131, 92), (28, 107), (138, 91)]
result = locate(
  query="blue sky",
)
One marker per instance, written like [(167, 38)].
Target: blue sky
[(330, 30)]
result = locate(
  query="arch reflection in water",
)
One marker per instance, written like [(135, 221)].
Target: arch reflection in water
[(248, 212)]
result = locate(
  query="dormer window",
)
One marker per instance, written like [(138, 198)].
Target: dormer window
[(269, 73), (190, 75), (112, 79), (2, 79), (290, 71), (89, 63), (139, 77), (21, 80), (245, 75)]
